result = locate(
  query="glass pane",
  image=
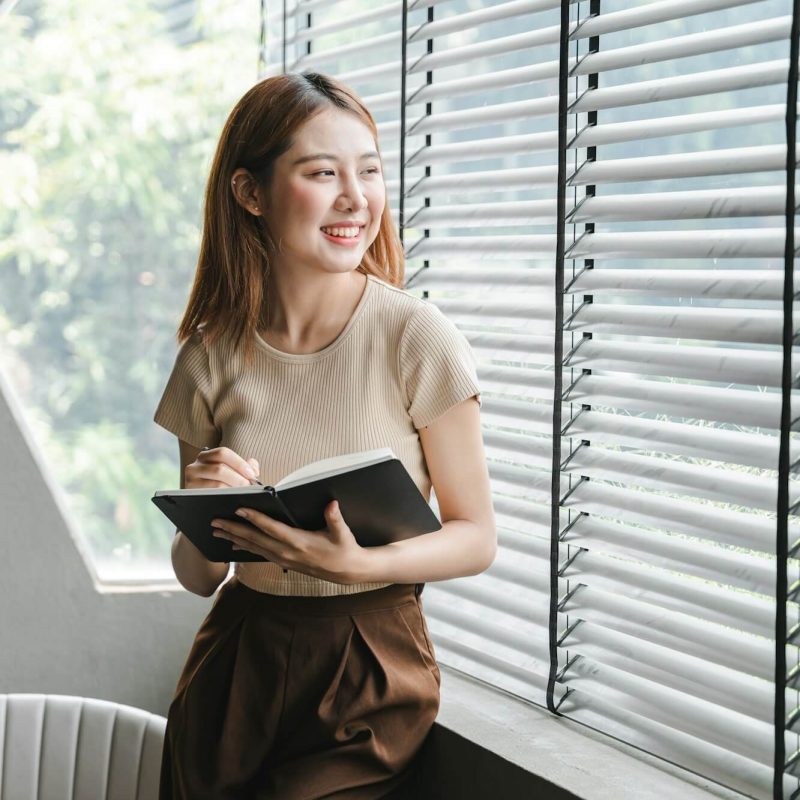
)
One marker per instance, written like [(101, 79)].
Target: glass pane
[(108, 134)]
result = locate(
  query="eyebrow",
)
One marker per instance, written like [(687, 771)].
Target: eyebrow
[(330, 157)]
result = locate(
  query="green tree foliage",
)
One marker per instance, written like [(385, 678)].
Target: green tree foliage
[(107, 128)]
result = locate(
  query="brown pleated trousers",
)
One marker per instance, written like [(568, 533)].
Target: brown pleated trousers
[(301, 698)]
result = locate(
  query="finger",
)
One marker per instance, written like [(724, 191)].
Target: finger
[(275, 528), (254, 464), (240, 529), (244, 531), (262, 546), (335, 520), (227, 456), (202, 483), (216, 471), (333, 514)]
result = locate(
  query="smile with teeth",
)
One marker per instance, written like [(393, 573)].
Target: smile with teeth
[(344, 233)]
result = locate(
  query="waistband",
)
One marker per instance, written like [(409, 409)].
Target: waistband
[(342, 604)]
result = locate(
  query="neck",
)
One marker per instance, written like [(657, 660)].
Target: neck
[(304, 310)]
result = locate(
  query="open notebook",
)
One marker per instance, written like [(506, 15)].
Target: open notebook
[(377, 497)]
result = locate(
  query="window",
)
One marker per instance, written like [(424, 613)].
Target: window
[(107, 136)]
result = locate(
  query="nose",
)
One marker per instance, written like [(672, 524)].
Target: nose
[(352, 197)]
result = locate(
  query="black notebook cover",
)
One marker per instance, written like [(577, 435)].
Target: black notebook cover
[(380, 503)]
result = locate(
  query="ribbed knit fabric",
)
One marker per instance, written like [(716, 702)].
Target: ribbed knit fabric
[(397, 365)]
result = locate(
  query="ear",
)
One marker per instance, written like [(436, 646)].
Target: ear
[(246, 191)]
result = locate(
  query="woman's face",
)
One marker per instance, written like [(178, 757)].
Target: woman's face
[(327, 194)]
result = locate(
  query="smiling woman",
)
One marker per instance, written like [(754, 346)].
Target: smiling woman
[(299, 344)]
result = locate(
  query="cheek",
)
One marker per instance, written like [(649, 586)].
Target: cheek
[(303, 204), (377, 201)]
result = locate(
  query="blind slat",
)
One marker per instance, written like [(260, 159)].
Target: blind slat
[(483, 148), (748, 76), (481, 16), (748, 284), (649, 14), (728, 324), (499, 213), (708, 41), (702, 204), (641, 129), (737, 160), (741, 243)]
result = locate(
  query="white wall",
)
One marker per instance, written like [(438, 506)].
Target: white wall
[(59, 633)]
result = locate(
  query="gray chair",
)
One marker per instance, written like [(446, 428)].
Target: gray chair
[(56, 747)]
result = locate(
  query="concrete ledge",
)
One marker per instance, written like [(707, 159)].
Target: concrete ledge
[(487, 743)]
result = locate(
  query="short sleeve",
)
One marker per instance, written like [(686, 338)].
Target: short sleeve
[(437, 365), (185, 407)]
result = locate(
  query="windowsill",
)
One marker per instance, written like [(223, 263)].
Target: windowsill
[(561, 751), (113, 576)]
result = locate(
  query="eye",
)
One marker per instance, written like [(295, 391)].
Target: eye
[(373, 170), (323, 172)]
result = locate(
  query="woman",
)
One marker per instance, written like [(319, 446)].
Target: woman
[(313, 675)]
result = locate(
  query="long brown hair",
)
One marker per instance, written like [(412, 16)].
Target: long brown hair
[(229, 292)]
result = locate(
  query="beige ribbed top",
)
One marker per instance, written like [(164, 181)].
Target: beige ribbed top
[(397, 365)]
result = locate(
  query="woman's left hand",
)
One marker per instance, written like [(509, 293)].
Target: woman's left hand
[(331, 553)]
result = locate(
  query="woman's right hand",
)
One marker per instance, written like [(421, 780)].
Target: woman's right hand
[(219, 467)]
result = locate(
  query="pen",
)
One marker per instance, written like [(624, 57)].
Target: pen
[(255, 481)]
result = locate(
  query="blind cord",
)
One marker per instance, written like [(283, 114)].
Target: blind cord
[(784, 458), (558, 353)]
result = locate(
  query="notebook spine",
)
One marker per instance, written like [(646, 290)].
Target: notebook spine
[(274, 492)]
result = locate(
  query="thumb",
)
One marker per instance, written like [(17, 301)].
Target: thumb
[(253, 463), (336, 526)]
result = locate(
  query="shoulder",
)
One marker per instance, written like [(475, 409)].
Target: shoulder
[(431, 338), (195, 343), (215, 354), (430, 329), (197, 358), (394, 299), (193, 350), (423, 327), (415, 314)]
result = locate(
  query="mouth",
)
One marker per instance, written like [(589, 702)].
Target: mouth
[(348, 235)]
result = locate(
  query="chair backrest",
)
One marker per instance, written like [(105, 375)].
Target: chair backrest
[(77, 748)]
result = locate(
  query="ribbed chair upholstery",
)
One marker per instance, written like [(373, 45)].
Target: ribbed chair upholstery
[(56, 747)]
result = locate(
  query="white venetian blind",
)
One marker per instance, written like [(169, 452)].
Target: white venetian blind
[(674, 276), (664, 609)]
